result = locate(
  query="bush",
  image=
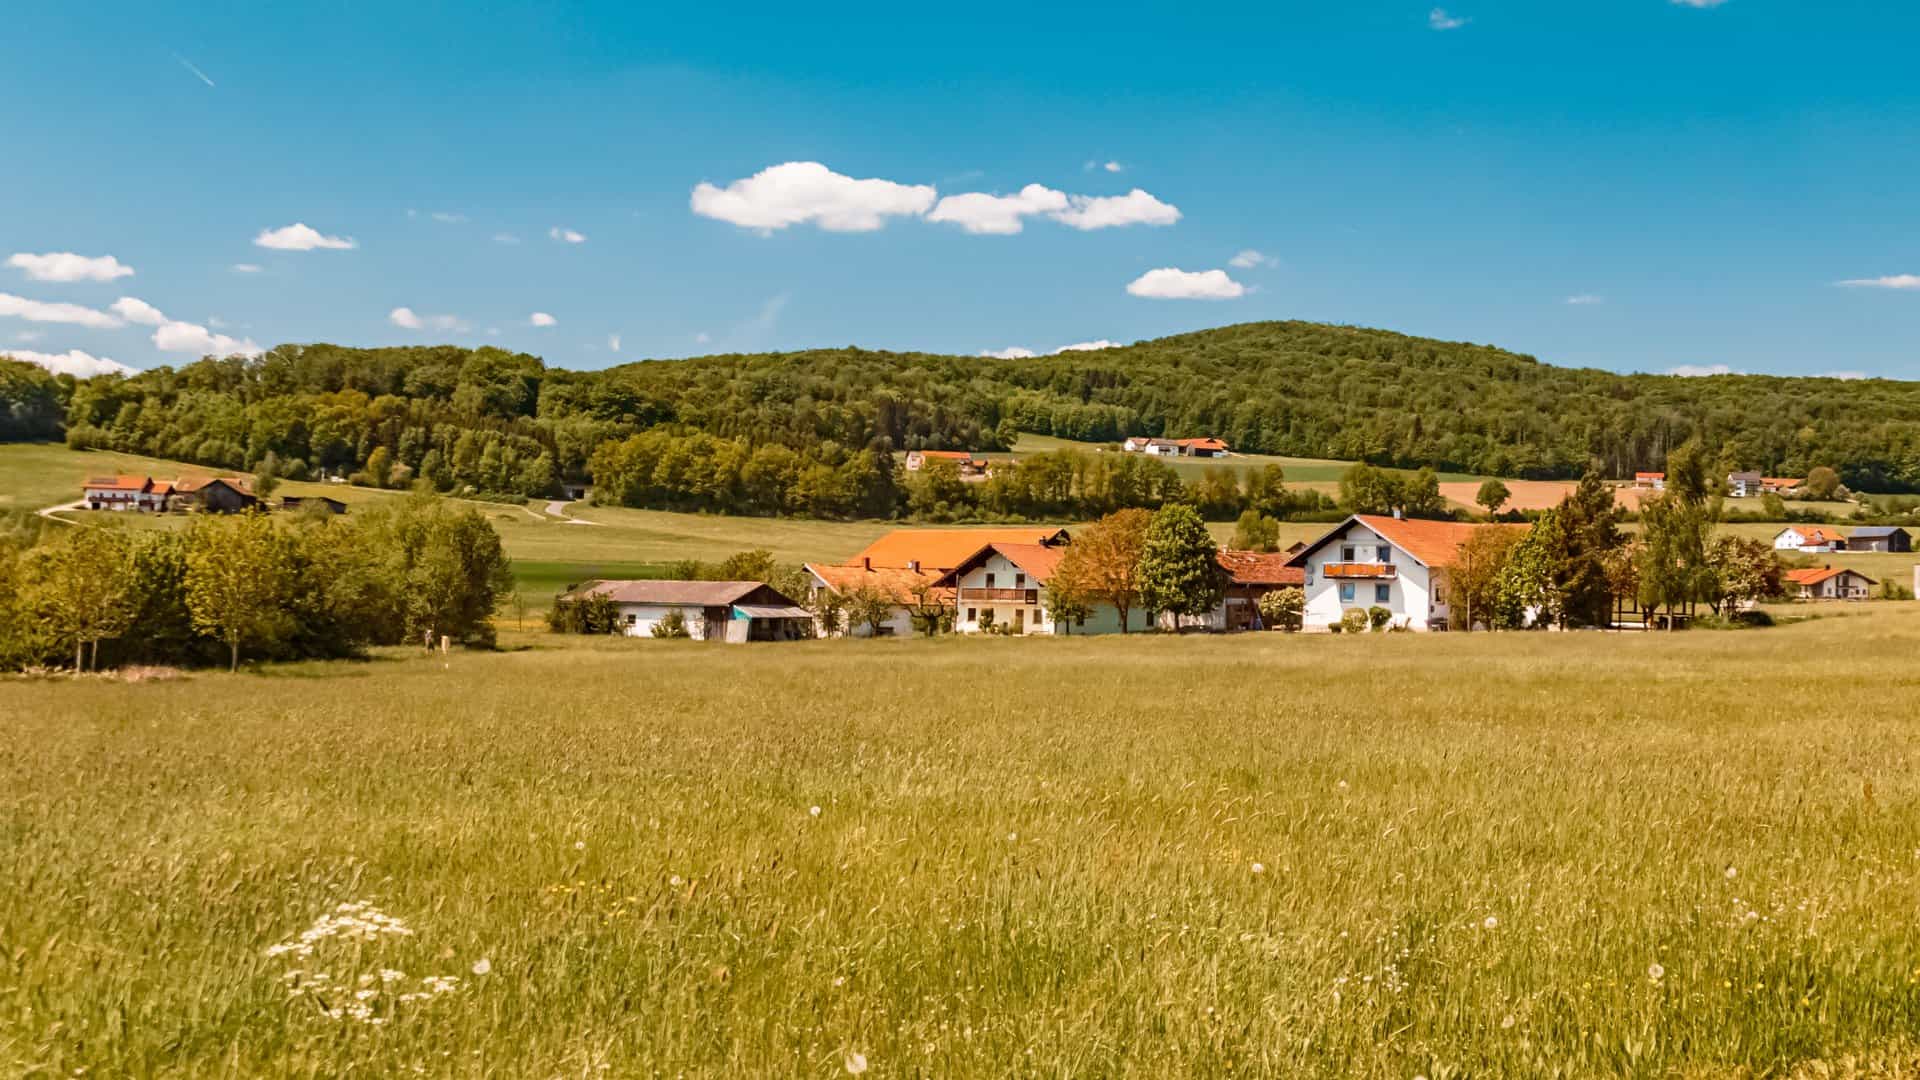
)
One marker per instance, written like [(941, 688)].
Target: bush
[(673, 626), (1355, 621), (1336, 627), (1378, 617), (1282, 609)]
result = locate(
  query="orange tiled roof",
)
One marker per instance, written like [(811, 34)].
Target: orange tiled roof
[(117, 483), (944, 549), (1208, 443), (902, 585), (1434, 543), (1038, 560), (948, 455), (188, 484), (1818, 534), (1260, 568), (1649, 476), (1817, 574)]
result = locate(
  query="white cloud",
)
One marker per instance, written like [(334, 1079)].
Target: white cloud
[(138, 311), (1698, 3), (1438, 19), (72, 362), (66, 266), (505, 238), (1895, 281), (20, 307), (809, 193), (1018, 352), (567, 235), (1087, 346), (446, 218), (1168, 283), (1136, 207), (1585, 300), (1249, 259), (197, 73), (613, 342), (407, 319), (247, 268), (1012, 352), (28, 337), (541, 318), (702, 338), (1113, 166), (301, 237), (1000, 215), (1700, 371), (1848, 375)]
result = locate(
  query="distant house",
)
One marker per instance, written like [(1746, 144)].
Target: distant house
[(1250, 576), (907, 565), (1004, 585), (970, 467), (124, 493), (1813, 539), (730, 611), (216, 495), (1880, 538), (1657, 481), (1744, 485), (1203, 447), (1781, 485), (301, 502), (1829, 583), (1373, 561)]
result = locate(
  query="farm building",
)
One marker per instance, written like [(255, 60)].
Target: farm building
[(1744, 485), (907, 564), (301, 502), (1829, 583), (731, 611), (1373, 561), (1813, 539), (1203, 447), (217, 494), (1004, 585), (971, 468), (1780, 485), (1657, 481), (125, 493), (1880, 538), (1250, 576)]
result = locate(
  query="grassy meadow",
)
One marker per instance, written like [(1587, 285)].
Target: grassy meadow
[(1387, 855)]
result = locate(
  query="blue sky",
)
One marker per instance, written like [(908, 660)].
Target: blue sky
[(1631, 184)]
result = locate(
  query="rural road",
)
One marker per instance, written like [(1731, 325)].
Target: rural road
[(52, 513), (557, 508)]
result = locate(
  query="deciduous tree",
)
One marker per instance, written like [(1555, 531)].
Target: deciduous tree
[(1180, 571)]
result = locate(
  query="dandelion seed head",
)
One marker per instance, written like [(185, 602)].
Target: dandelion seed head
[(1491, 923), (856, 1062), (1656, 972), (813, 811), (1259, 868), (482, 966)]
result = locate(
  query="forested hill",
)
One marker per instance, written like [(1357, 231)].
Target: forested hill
[(504, 421)]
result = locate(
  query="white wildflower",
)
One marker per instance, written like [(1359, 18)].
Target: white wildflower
[(1656, 972), (1259, 868), (482, 966), (814, 811), (856, 1062), (675, 881), (1732, 873), (579, 845), (1506, 1022), (1491, 923)]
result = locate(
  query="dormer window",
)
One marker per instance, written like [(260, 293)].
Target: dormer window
[(989, 579)]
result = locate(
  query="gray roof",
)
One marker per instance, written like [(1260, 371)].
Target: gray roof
[(1871, 531), (670, 593)]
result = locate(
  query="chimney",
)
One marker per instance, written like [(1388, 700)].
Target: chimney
[(913, 565), (1397, 515), (866, 562)]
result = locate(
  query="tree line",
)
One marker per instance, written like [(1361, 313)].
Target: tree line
[(250, 586), (486, 420)]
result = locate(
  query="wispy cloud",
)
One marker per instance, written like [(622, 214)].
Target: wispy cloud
[(1848, 375), (1250, 259), (19, 307), (505, 238), (197, 73), (407, 319), (613, 342), (1438, 19), (541, 318), (446, 218), (66, 266), (247, 268), (1895, 281), (1698, 3), (1585, 300), (1011, 352), (566, 235), (1701, 371)]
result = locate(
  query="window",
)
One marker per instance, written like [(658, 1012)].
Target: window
[(631, 619), (1382, 594), (1019, 581), (1386, 553), (1020, 620), (973, 614), (1346, 552), (1346, 592), (989, 579)]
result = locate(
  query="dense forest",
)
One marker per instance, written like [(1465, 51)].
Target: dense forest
[(493, 421)]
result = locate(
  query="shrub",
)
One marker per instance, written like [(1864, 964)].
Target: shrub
[(1283, 608), (1378, 617), (1336, 627), (673, 626), (1355, 621)]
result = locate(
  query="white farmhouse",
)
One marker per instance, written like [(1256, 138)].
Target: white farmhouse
[(1371, 560), (733, 611), (1004, 586), (906, 566), (1813, 539)]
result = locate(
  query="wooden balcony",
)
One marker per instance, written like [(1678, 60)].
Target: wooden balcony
[(1012, 596), (1351, 570)]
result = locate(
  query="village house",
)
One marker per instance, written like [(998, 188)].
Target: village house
[(1201, 448), (1656, 481), (125, 493), (1879, 538), (971, 468), (1744, 485), (1780, 485), (730, 611), (906, 565), (1813, 539), (216, 494), (1829, 583), (1250, 576), (1395, 563)]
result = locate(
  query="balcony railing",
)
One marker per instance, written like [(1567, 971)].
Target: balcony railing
[(1017, 596), (1360, 570)]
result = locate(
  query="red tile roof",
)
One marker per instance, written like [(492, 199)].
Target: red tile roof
[(670, 593), (1433, 543), (1256, 568), (948, 455), (1208, 443), (944, 549), (1815, 535), (1817, 574), (902, 585), (117, 483)]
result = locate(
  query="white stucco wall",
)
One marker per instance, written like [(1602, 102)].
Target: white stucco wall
[(1409, 592), (998, 572), (638, 620)]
